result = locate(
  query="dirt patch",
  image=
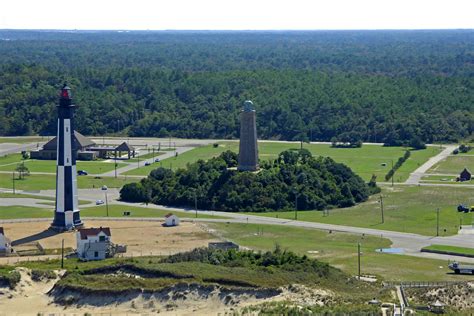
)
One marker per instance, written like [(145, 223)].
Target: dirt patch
[(458, 297), (142, 238)]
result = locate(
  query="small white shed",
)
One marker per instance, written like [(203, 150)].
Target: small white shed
[(171, 220)]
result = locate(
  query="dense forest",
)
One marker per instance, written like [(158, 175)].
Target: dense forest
[(295, 179), (379, 86)]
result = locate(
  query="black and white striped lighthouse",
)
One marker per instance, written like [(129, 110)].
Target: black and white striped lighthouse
[(66, 214)]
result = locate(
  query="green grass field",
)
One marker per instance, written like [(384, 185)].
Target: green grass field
[(10, 162), (365, 161), (115, 210), (35, 182), (11, 212), (339, 250), (444, 179), (409, 209), (48, 200), (454, 164), (451, 249)]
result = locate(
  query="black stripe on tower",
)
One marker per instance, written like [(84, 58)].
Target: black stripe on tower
[(68, 194)]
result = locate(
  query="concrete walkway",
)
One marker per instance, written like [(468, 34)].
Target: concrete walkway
[(416, 175)]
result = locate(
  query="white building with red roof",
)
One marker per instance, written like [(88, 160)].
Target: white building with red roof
[(94, 243)]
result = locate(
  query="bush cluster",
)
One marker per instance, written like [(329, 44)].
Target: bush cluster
[(397, 165), (295, 178)]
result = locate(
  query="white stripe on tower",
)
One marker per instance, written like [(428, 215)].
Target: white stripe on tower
[(67, 142), (75, 196), (60, 190)]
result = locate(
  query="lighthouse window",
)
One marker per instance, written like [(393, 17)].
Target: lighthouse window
[(67, 129), (67, 159)]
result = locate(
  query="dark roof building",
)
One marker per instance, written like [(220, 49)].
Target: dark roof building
[(465, 175), (80, 140)]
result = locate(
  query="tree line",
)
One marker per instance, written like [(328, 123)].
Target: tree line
[(393, 87)]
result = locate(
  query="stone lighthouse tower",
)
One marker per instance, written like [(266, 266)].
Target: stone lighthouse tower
[(248, 148), (66, 214)]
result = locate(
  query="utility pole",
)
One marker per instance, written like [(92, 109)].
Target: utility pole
[(62, 254), (106, 204), (153, 153), (437, 222), (115, 166), (195, 203), (138, 161), (13, 180), (381, 208), (296, 205), (393, 174), (358, 259)]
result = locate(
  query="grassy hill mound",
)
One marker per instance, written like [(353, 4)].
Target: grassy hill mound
[(294, 179)]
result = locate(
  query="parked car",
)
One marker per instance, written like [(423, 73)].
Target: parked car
[(463, 208), (99, 202), (147, 163), (104, 187), (157, 160), (82, 173)]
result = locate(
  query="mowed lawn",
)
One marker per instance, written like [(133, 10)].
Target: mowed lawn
[(116, 210), (35, 182), (454, 164), (203, 152), (11, 212), (10, 162), (410, 209), (339, 250), (365, 161), (18, 211)]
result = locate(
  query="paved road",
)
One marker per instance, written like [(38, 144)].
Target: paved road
[(416, 175), (11, 148)]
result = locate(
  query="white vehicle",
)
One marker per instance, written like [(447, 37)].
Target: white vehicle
[(461, 268), (99, 202), (104, 187)]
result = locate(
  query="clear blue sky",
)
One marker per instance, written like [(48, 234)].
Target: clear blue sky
[(236, 15)]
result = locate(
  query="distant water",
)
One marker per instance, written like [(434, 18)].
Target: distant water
[(390, 250)]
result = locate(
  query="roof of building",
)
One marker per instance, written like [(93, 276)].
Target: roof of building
[(81, 140), (125, 147), (169, 215), (466, 171), (85, 232), (1, 230)]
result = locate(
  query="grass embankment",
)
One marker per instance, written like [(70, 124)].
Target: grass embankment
[(339, 250), (454, 164), (410, 209), (115, 210), (10, 162), (450, 250), (364, 161), (36, 182), (204, 267), (9, 277)]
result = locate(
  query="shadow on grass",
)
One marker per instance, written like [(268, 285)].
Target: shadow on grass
[(44, 234)]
